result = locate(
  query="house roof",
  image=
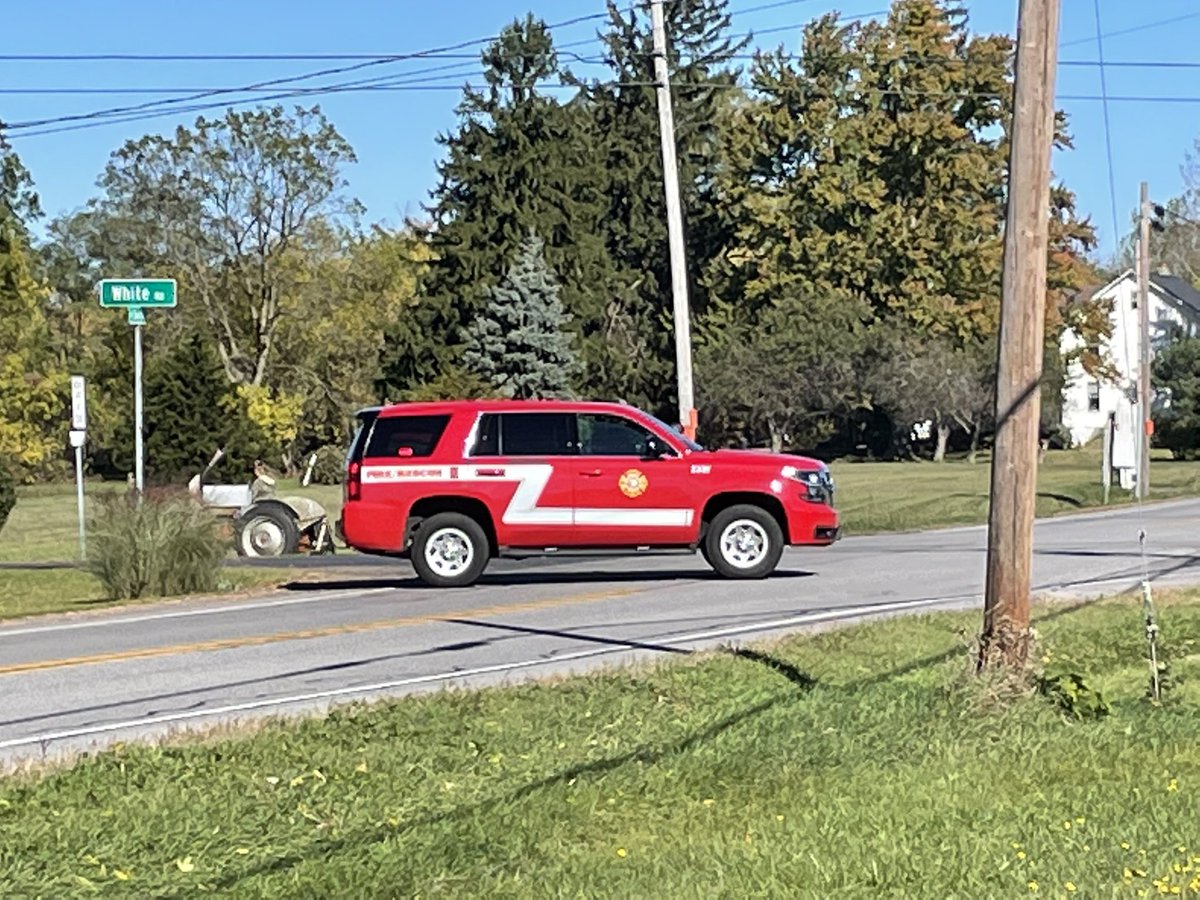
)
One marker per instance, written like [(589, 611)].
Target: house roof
[(1178, 288)]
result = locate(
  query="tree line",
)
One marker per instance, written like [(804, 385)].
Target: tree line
[(844, 211)]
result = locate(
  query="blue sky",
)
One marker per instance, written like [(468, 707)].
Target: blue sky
[(394, 132)]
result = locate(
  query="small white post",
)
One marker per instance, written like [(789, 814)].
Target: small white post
[(139, 477)]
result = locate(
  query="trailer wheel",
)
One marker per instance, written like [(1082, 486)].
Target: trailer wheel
[(266, 530)]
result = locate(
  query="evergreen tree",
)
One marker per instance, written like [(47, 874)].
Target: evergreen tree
[(635, 335), (191, 410), (518, 162), (520, 343)]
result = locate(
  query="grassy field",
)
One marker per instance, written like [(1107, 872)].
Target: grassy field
[(879, 497), (43, 528), (860, 762)]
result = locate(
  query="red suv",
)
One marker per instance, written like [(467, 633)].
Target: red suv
[(451, 485)]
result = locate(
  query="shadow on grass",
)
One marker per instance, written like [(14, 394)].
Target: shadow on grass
[(645, 754), (1074, 502)]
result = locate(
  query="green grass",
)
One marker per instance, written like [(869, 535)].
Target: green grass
[(29, 592), (861, 762), (43, 528), (911, 496)]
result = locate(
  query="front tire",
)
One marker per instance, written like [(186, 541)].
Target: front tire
[(744, 542), (267, 530), (450, 550)]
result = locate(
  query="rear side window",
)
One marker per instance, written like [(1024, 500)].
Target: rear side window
[(405, 436), (525, 434)]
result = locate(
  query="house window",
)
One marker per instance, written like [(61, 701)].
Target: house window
[(1093, 396)]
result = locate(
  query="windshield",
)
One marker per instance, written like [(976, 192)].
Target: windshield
[(688, 442)]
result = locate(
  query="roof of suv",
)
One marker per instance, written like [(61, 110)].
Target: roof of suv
[(453, 406)]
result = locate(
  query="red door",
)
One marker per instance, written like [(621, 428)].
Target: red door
[(624, 496)]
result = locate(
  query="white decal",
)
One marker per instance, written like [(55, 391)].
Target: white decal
[(531, 482), (701, 470)]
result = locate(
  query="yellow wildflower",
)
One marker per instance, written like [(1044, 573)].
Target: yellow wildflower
[(1033, 887), (779, 818), (621, 852), (1173, 784), (1067, 825), (1070, 886), (1080, 820), (1020, 854), (1124, 845)]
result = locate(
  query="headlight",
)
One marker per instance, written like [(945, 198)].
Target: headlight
[(817, 483)]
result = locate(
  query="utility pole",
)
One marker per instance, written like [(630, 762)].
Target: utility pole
[(679, 286), (1143, 277), (1004, 639)]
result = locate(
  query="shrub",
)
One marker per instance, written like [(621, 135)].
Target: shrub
[(8, 492), (330, 466), (163, 546)]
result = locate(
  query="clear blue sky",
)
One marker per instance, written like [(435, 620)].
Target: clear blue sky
[(393, 132)]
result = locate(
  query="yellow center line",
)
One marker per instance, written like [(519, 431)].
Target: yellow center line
[(309, 634)]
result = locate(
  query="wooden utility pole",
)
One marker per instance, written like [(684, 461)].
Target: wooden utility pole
[(1004, 640), (679, 286), (1143, 278)]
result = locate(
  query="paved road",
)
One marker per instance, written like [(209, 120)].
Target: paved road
[(74, 682)]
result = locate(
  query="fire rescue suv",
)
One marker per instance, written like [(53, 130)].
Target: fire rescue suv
[(451, 485)]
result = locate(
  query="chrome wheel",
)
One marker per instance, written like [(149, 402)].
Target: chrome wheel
[(449, 552), (263, 537), (744, 544)]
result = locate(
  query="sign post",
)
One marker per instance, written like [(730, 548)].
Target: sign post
[(78, 436), (135, 295)]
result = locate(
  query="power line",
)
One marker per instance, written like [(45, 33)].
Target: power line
[(118, 111), (1137, 28)]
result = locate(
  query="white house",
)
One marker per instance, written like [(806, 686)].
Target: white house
[(1088, 401)]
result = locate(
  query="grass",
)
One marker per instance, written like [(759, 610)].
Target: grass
[(43, 527), (883, 497), (862, 762), (29, 592)]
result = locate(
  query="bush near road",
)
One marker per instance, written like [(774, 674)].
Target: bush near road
[(861, 762)]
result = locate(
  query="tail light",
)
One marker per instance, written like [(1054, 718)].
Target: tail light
[(354, 481)]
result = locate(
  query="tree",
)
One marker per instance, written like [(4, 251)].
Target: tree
[(520, 344), (191, 411), (788, 377), (31, 387), (919, 379), (518, 161), (628, 339), (1177, 380), (220, 206)]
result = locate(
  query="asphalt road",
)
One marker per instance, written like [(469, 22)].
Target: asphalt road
[(72, 683)]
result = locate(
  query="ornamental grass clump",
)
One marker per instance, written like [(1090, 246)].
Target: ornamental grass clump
[(162, 546)]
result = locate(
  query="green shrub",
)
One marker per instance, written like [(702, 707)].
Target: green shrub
[(163, 546), (8, 492), (331, 465)]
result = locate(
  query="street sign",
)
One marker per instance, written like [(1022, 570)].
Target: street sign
[(137, 292), (136, 316), (78, 403)]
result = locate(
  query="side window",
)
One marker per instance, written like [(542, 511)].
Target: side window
[(603, 435), (537, 434), (405, 436)]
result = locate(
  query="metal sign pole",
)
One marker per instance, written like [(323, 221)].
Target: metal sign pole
[(138, 450), (78, 435), (79, 498)]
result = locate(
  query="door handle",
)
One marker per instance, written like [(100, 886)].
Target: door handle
[(592, 473)]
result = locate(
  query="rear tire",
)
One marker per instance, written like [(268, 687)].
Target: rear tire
[(267, 530), (744, 542), (450, 550)]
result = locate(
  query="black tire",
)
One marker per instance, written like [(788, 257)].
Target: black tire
[(464, 535), (267, 530), (765, 543)]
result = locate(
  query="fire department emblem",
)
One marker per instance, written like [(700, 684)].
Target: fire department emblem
[(633, 483)]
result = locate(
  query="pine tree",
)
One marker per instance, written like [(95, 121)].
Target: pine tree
[(192, 410), (520, 343)]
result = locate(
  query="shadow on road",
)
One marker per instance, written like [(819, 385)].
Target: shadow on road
[(527, 579)]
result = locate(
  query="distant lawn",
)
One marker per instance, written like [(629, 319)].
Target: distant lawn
[(863, 762), (911, 496), (43, 527)]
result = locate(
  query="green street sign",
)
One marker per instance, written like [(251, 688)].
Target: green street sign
[(124, 293)]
